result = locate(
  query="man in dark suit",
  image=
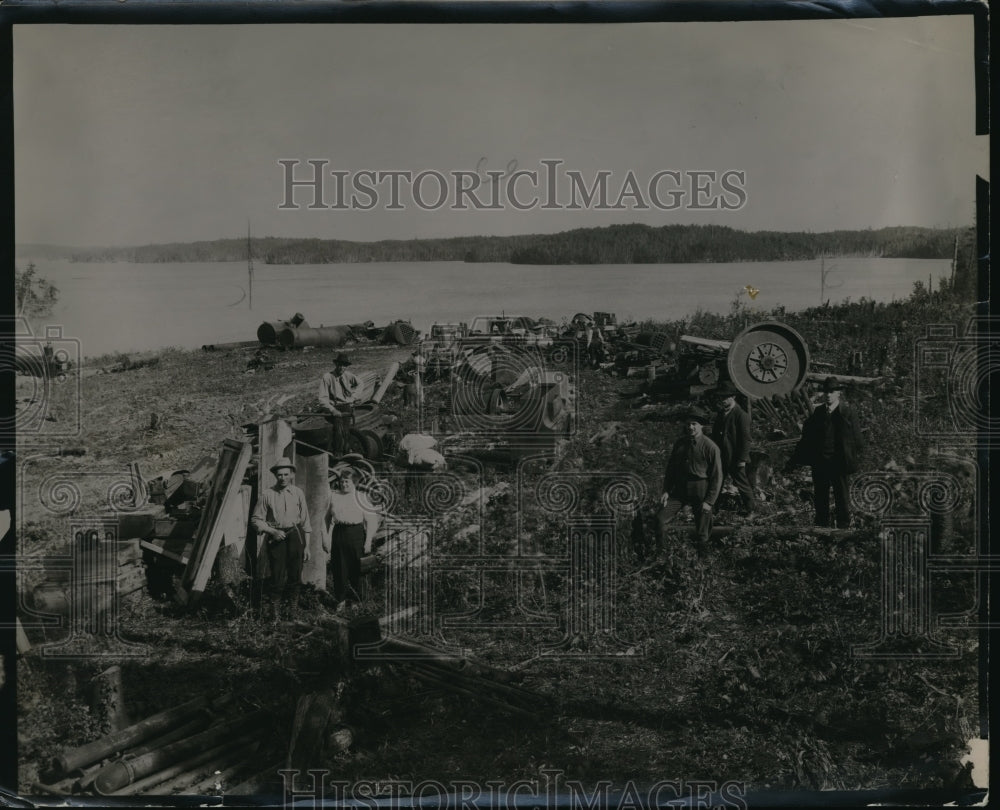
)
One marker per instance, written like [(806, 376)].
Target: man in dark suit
[(731, 432), (831, 445), (693, 478)]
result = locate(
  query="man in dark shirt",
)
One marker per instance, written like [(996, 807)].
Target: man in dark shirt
[(693, 478), (731, 432), (831, 445)]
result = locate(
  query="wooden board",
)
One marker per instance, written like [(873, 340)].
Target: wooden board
[(225, 491)]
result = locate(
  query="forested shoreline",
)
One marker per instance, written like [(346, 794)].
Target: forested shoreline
[(615, 244)]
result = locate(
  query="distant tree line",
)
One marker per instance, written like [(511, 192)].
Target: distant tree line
[(615, 244)]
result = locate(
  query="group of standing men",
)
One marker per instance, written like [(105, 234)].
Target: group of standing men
[(830, 444), (350, 521)]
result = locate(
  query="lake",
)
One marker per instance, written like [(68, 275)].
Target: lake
[(138, 307)]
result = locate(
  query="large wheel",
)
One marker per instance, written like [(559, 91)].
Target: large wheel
[(768, 359), (373, 446)]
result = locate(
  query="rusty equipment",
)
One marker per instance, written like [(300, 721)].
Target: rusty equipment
[(267, 332), (401, 332), (293, 337), (768, 359)]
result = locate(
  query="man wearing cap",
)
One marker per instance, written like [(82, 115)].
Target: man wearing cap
[(831, 445), (693, 478), (338, 391), (281, 518), (351, 523), (731, 432)]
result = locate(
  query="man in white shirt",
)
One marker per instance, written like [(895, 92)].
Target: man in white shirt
[(281, 519), (338, 391), (352, 522)]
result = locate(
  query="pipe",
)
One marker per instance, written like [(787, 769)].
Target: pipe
[(180, 769), (90, 753), (238, 344), (298, 337), (87, 775), (120, 774)]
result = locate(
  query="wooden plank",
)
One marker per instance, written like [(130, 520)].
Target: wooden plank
[(23, 645), (233, 461), (171, 549)]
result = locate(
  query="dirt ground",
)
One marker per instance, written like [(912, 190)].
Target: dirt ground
[(734, 664)]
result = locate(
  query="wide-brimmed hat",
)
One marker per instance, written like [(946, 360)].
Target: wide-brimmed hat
[(342, 360), (727, 389), (283, 463), (830, 384), (695, 414)]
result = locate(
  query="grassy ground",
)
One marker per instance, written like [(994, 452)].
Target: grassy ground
[(738, 663)]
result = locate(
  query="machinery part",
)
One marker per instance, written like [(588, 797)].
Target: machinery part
[(315, 431), (497, 402), (708, 374), (267, 332), (293, 337), (768, 359), (372, 444), (355, 442), (399, 332)]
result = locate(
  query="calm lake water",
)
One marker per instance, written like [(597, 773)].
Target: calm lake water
[(137, 307)]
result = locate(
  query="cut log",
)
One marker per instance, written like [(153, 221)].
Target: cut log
[(146, 729)]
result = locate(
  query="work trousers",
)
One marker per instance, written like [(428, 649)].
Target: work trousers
[(693, 495), (741, 481), (829, 474), (338, 437), (347, 544), (286, 564)]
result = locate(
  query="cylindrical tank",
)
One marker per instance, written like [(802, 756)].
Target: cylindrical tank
[(297, 337), (267, 332)]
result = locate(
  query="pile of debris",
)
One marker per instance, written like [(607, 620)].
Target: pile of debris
[(296, 333)]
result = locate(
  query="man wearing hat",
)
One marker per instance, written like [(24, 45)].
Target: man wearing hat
[(281, 519), (693, 478), (831, 445), (731, 432), (338, 391)]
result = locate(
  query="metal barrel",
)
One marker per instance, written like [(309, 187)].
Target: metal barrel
[(267, 332), (292, 337), (97, 750), (117, 775)]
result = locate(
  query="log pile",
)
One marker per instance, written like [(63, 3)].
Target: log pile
[(191, 747)]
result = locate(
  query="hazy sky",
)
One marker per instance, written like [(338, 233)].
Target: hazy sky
[(131, 135)]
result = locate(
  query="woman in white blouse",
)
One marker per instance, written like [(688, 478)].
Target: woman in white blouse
[(351, 523)]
